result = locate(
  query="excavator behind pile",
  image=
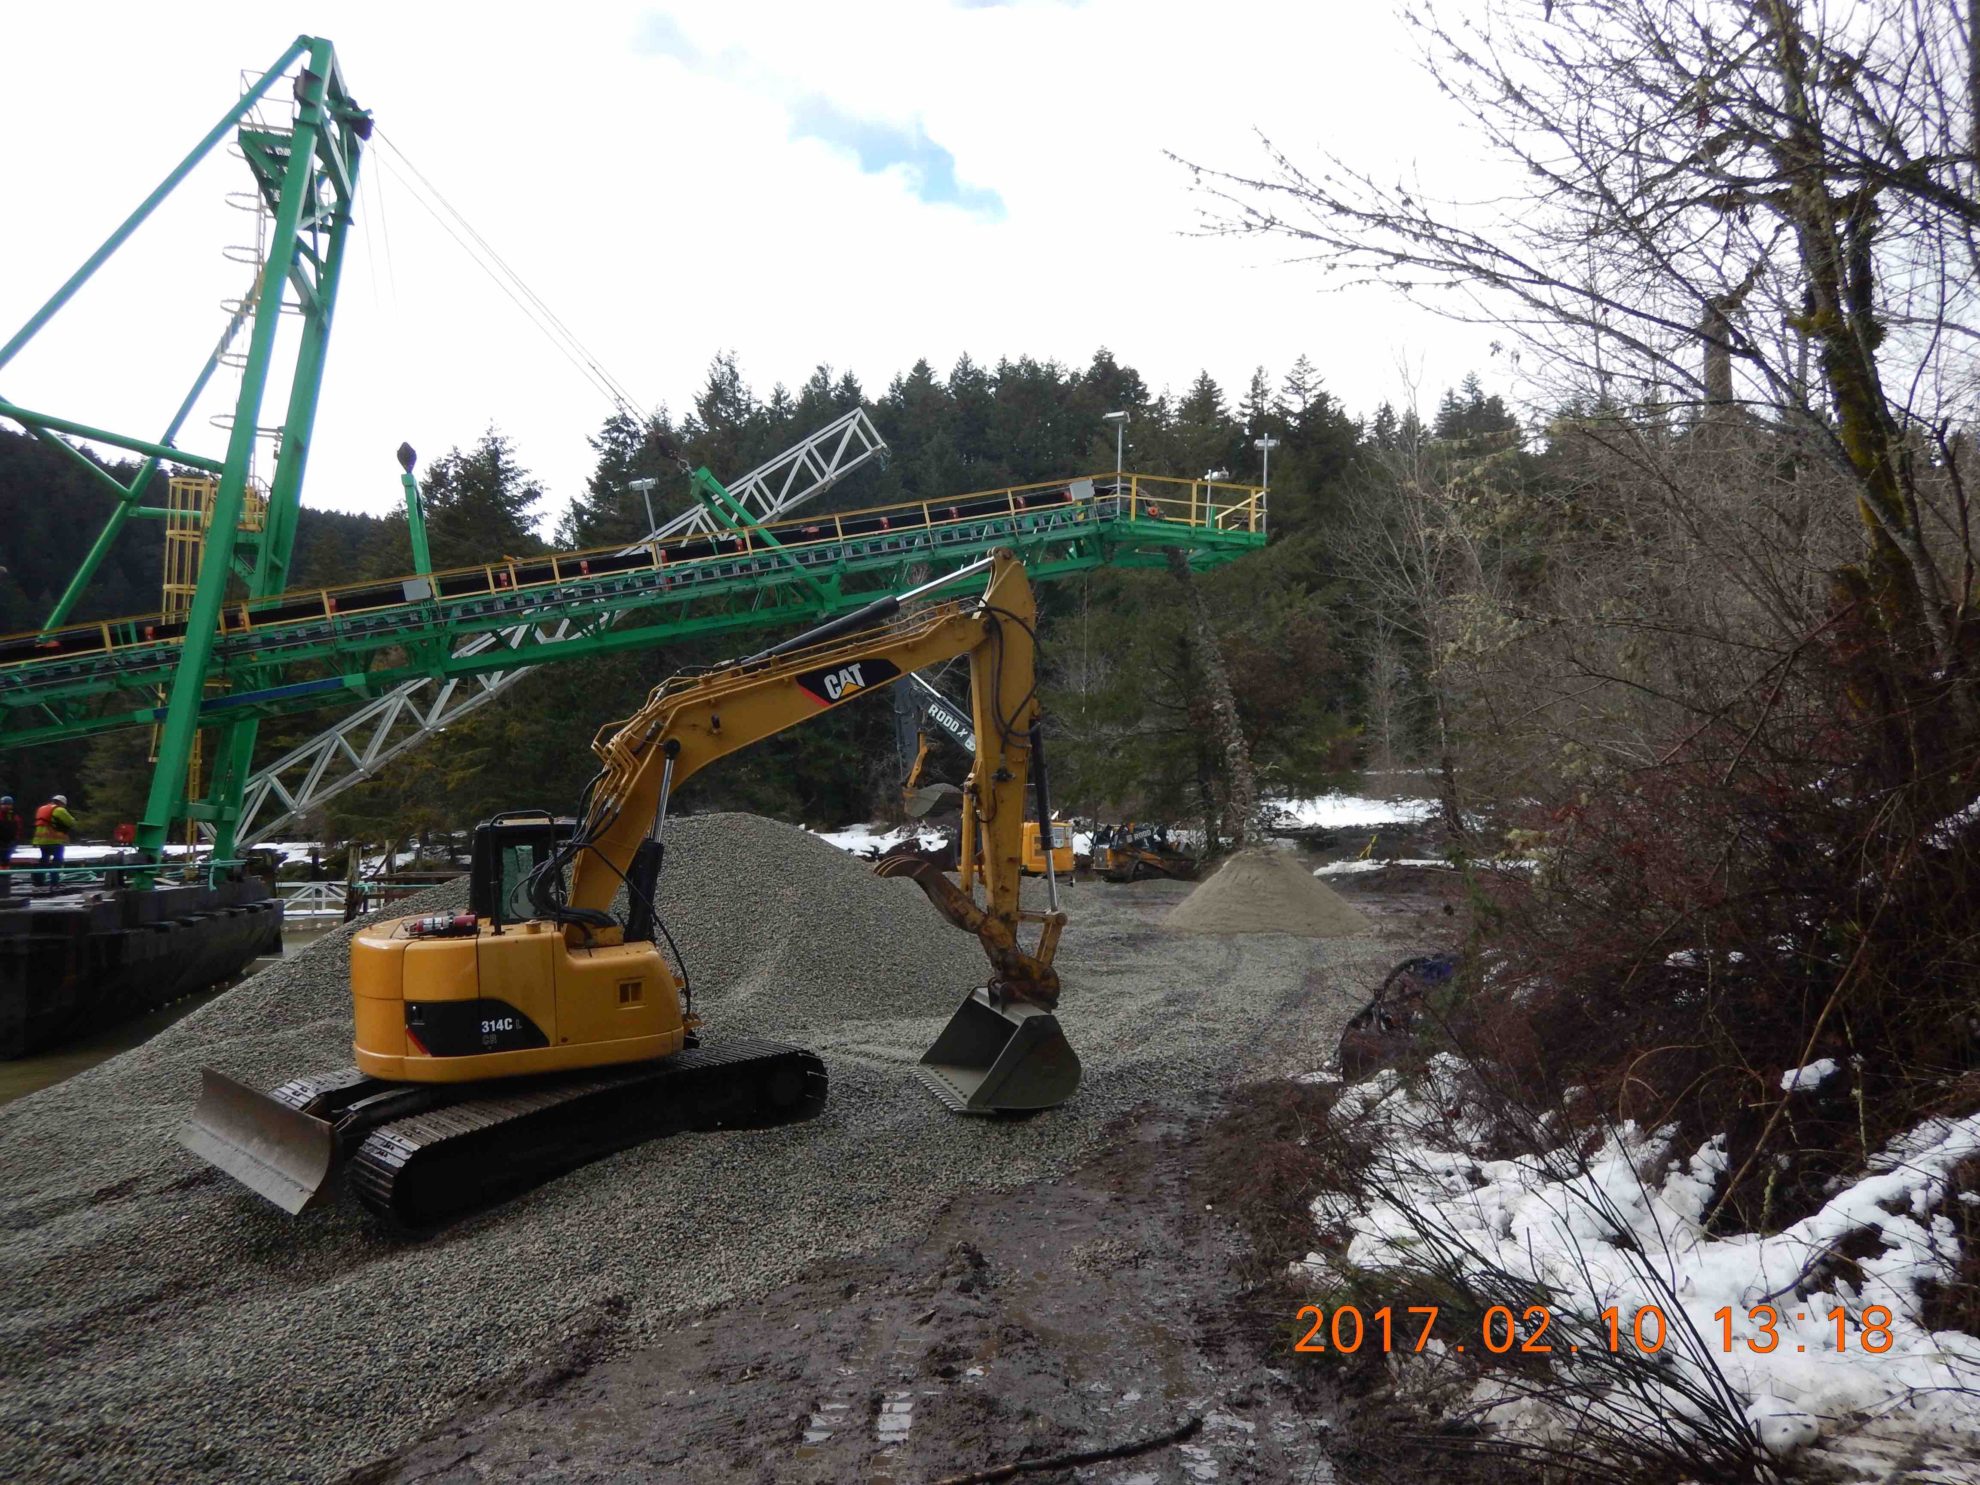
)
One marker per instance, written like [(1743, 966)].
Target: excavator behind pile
[(537, 1031), (920, 713)]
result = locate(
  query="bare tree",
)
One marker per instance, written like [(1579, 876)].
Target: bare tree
[(1419, 537), (1773, 178), (1386, 675)]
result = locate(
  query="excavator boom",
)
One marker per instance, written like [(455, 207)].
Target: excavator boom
[(691, 721)]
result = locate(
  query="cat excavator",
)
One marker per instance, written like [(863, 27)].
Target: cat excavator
[(502, 1046)]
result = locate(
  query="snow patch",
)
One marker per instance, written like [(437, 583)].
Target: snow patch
[(1348, 811), (1948, 830), (1624, 1228), (1356, 868), (1807, 1079), (867, 840)]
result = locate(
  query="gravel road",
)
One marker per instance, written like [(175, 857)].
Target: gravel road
[(164, 1323)]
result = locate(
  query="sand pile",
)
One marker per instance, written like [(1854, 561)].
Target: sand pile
[(1266, 892), (781, 929)]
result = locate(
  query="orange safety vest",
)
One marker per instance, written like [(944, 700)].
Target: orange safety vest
[(45, 823)]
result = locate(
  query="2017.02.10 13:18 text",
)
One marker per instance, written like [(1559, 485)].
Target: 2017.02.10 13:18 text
[(1345, 1330)]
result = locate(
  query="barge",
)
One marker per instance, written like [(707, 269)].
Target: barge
[(76, 962)]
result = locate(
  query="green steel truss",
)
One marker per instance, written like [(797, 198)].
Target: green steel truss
[(307, 178), (782, 575)]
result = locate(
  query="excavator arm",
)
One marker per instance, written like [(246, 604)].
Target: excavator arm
[(691, 721)]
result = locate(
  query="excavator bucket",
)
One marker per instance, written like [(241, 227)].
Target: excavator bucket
[(279, 1152), (1000, 1058), (932, 798)]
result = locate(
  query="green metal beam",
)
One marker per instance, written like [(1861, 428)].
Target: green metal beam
[(723, 506), (297, 204), (128, 495), (234, 753), (84, 462), (98, 550), (164, 188), (30, 419), (422, 554), (181, 725)]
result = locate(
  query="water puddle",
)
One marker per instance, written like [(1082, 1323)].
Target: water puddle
[(825, 1421)]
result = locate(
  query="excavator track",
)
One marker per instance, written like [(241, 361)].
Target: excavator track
[(477, 1144)]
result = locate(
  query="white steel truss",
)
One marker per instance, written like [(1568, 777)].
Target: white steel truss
[(361, 744)]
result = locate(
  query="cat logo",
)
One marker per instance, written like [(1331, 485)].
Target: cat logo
[(837, 683), (842, 685)]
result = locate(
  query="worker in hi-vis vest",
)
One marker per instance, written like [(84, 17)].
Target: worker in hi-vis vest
[(53, 825)]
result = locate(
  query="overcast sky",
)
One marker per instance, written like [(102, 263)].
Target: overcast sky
[(860, 183)]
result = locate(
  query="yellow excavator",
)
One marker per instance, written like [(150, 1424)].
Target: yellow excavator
[(501, 1046)]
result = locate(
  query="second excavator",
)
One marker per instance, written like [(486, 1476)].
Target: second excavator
[(504, 1045)]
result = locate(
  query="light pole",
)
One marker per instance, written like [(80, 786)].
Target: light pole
[(1265, 445), (645, 488), (1119, 420)]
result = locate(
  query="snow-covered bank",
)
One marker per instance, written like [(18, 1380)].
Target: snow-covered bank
[(1750, 1319), (867, 840), (1339, 811), (1356, 868), (95, 854)]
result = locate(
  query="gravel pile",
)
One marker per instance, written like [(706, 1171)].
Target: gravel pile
[(162, 1322), (1266, 892)]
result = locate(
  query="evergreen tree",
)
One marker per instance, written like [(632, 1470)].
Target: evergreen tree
[(720, 433), (1466, 412), (610, 512), (1302, 382), (1260, 411), (915, 418), (477, 504), (1206, 439), (1105, 387), (975, 405)]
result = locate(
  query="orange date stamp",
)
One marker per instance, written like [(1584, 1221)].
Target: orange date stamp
[(1345, 1329)]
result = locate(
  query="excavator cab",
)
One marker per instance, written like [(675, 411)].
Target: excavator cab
[(507, 849)]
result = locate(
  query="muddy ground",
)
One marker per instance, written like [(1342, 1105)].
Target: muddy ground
[(1073, 1315), (1129, 1307)]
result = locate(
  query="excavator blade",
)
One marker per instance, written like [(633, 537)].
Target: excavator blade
[(994, 1058), (275, 1151)]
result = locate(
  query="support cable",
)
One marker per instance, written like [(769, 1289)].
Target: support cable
[(574, 357), (615, 390)]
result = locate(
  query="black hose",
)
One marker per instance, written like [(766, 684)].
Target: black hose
[(859, 618)]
